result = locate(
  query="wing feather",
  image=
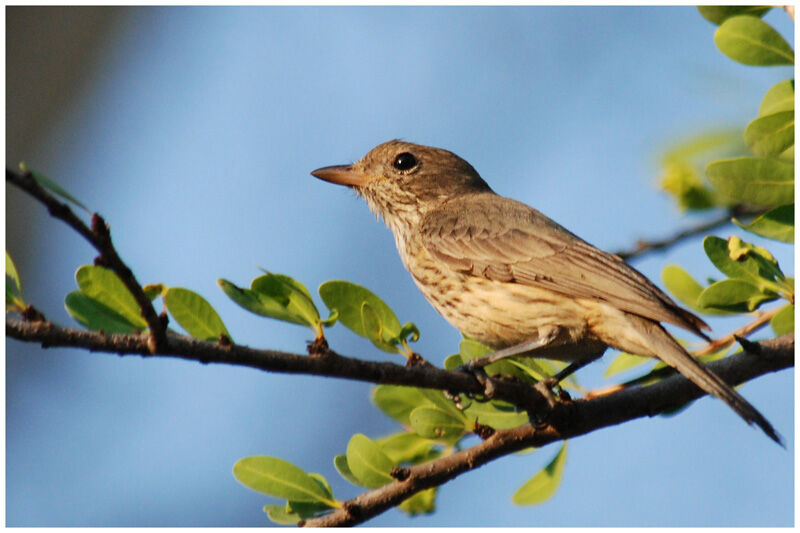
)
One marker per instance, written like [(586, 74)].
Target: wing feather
[(497, 238)]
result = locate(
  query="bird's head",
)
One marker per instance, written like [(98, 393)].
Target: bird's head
[(400, 179)]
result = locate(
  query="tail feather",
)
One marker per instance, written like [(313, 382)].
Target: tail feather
[(666, 348)]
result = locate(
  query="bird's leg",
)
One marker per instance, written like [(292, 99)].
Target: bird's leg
[(511, 351)]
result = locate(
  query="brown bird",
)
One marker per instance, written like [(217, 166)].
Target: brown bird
[(506, 275)]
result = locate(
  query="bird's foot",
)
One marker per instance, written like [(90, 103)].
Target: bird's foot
[(480, 376)]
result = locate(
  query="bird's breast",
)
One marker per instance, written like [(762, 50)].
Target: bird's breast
[(497, 313)]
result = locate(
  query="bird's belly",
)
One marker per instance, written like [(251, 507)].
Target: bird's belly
[(501, 314)]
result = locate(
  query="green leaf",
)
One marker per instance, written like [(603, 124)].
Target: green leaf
[(770, 135), (340, 463), (766, 182), (286, 299), (683, 181), (373, 328), (777, 224), (496, 414), (281, 515), (408, 448), (422, 502), (103, 285), (348, 300), (276, 296), (437, 398), (752, 41), (398, 402), (685, 289), (739, 259), (368, 463), (451, 362), (783, 321), (543, 485), (281, 479), (779, 98), (96, 316), (194, 314), (436, 423), (54, 187), (13, 287), (718, 14), (734, 295), (625, 361), (154, 290)]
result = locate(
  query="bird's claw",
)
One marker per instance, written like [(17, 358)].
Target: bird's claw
[(480, 376)]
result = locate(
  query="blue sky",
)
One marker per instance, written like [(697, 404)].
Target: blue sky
[(195, 137)]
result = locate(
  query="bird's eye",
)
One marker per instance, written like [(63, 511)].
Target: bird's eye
[(405, 161)]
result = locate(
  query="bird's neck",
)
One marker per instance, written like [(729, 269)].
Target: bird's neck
[(402, 212)]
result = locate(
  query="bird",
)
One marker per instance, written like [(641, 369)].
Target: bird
[(506, 275)]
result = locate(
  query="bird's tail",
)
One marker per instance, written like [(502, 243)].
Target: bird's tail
[(666, 348)]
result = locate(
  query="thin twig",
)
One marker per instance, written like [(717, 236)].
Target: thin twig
[(99, 236), (643, 246), (717, 344)]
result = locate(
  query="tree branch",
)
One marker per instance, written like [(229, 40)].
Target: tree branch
[(99, 236), (643, 246), (574, 419)]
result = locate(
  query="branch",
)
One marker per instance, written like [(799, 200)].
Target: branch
[(99, 236), (321, 362), (564, 420), (577, 418), (642, 246)]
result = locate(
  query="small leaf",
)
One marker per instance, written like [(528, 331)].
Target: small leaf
[(683, 181), (13, 287), (624, 362), (777, 224), (408, 448), (280, 515), (751, 41), (451, 362), (398, 402), (279, 478), (436, 423), (770, 135), (286, 299), (103, 285), (194, 314), (340, 463), (766, 182), (543, 485), (779, 98), (368, 463), (719, 14), (422, 502), (53, 187), (758, 268), (437, 398), (783, 321), (154, 290), (409, 332), (496, 414), (734, 295), (96, 316), (685, 289), (373, 328), (348, 298)]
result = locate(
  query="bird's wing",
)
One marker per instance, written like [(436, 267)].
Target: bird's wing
[(493, 237)]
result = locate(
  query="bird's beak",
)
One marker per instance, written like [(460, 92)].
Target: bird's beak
[(341, 175)]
